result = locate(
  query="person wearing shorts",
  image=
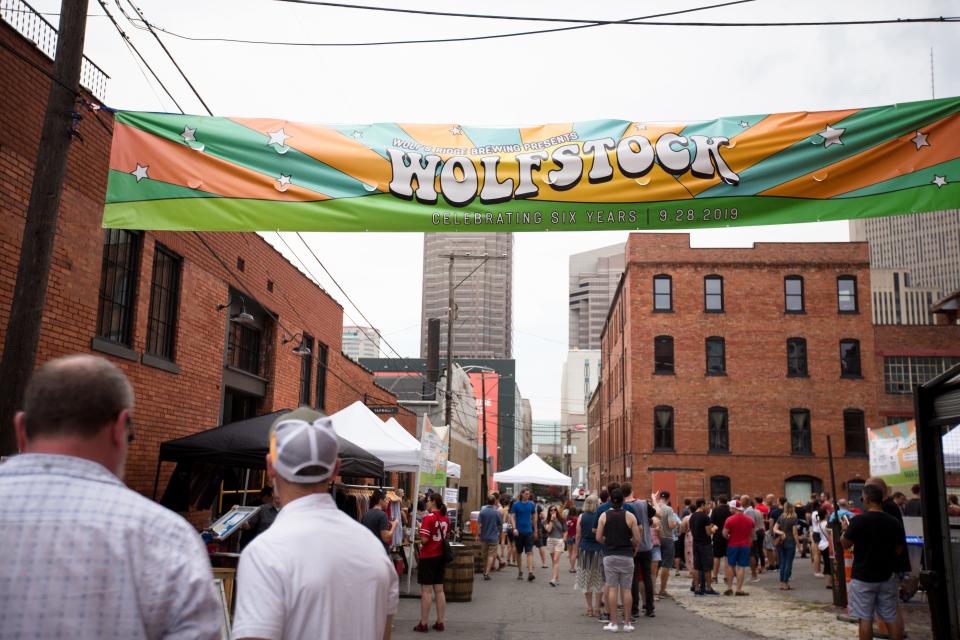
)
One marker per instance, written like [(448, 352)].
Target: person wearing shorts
[(877, 541), (738, 531), (619, 533), (702, 529), (523, 517)]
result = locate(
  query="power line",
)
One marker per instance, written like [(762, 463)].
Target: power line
[(132, 47), (165, 50), (589, 25)]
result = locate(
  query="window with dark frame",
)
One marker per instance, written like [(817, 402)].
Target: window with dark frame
[(243, 350), (663, 354), (663, 428), (801, 439), (306, 372), (662, 293), (850, 359), (718, 428), (164, 303), (854, 433), (719, 486), (847, 294), (716, 356), (118, 284), (713, 294), (321, 399), (793, 294), (796, 357)]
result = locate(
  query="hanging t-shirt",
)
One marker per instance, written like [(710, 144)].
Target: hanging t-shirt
[(435, 527)]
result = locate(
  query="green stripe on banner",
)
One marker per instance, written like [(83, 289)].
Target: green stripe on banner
[(234, 143), (948, 170), (125, 188), (863, 130), (727, 127), (383, 212)]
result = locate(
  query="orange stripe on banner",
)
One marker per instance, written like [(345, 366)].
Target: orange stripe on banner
[(178, 164), (330, 147), (891, 159), (768, 137), (439, 136), (543, 132)]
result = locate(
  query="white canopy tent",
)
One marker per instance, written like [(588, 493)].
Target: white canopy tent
[(453, 469), (533, 470), (363, 428)]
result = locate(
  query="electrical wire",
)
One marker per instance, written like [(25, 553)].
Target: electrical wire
[(589, 25), (130, 45), (165, 50)]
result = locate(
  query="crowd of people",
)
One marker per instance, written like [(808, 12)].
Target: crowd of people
[(66, 505)]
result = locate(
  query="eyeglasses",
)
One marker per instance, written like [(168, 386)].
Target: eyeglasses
[(129, 430)]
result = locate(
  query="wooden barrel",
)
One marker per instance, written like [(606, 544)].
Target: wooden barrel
[(458, 575), (470, 540)]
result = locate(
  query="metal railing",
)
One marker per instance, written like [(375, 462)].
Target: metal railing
[(34, 27)]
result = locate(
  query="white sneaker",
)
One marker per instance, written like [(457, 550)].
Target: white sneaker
[(627, 628), (612, 628)]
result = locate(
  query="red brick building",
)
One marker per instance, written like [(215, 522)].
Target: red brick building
[(151, 302), (726, 369)]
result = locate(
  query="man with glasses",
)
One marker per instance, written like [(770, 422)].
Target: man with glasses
[(88, 557)]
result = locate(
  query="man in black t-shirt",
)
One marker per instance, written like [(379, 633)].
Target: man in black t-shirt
[(718, 517), (702, 530), (877, 541)]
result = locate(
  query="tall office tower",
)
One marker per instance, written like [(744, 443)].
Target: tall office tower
[(914, 261), (483, 292), (593, 279), (360, 342)]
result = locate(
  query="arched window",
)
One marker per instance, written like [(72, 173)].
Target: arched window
[(801, 439), (800, 488), (793, 294), (854, 433), (663, 428), (718, 428), (716, 356), (713, 294), (663, 354), (847, 294), (796, 357)]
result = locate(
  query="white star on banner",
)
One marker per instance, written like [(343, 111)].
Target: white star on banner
[(640, 127), (140, 172), (831, 136), (278, 137), (744, 124), (939, 181), (920, 140), (456, 131), (357, 134), (189, 135), (283, 180)]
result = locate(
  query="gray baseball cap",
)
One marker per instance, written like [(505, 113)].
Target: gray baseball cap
[(303, 446)]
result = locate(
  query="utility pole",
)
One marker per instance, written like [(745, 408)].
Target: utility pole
[(39, 232), (452, 315), (569, 453)]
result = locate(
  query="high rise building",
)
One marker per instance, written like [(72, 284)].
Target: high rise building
[(483, 292), (593, 279), (360, 342), (914, 261), (581, 373)]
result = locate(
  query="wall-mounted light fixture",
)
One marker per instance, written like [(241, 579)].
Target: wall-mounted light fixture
[(301, 349), (243, 318)]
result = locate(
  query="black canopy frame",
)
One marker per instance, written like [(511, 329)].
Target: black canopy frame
[(244, 444)]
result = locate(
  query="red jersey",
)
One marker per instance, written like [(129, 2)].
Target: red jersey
[(764, 509), (740, 528), (436, 527)]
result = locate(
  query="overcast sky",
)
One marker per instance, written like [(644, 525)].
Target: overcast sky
[(615, 71)]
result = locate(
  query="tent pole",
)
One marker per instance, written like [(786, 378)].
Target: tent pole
[(413, 528), (156, 481)]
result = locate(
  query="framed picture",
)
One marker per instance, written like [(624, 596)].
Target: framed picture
[(230, 522)]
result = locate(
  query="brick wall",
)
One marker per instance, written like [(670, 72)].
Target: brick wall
[(755, 390), (909, 340), (169, 405)]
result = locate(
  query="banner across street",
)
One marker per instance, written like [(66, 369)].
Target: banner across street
[(183, 172)]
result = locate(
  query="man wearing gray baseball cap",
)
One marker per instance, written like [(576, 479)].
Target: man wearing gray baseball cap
[(316, 573)]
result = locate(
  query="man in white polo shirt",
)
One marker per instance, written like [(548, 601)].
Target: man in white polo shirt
[(315, 573)]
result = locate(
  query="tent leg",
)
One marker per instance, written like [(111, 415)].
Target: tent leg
[(413, 527), (156, 481)]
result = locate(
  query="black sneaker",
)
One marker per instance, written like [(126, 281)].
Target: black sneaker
[(531, 577), (604, 617), (649, 613), (486, 576), (520, 576)]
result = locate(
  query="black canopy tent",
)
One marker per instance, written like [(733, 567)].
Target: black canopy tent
[(244, 444)]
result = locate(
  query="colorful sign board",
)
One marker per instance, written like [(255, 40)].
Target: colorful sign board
[(489, 406), (183, 172), (434, 449), (893, 454)]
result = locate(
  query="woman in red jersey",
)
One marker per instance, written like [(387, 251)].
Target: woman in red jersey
[(433, 531)]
